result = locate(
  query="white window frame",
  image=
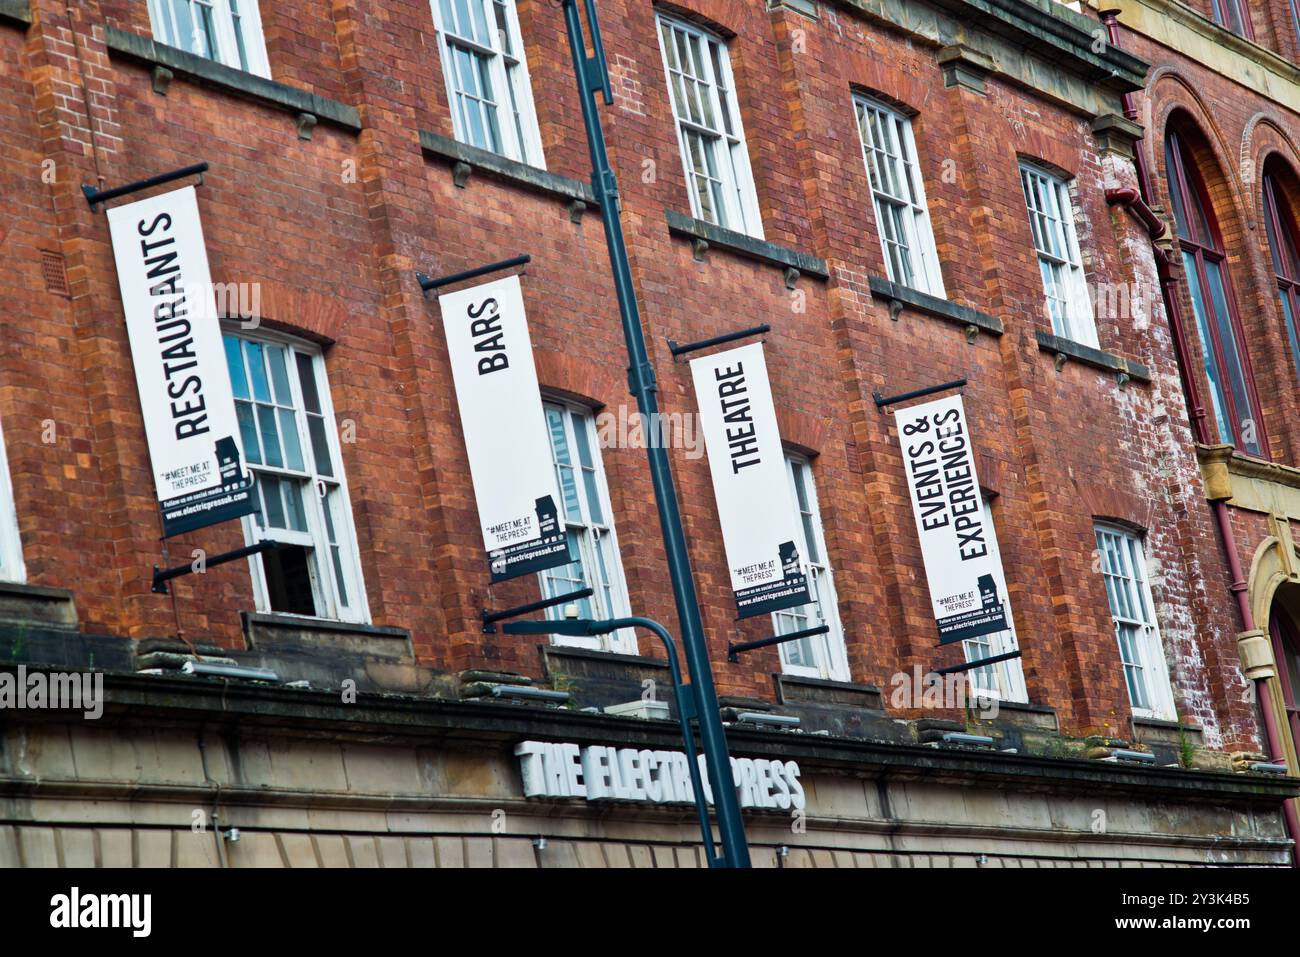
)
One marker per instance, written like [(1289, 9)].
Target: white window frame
[(498, 42), (898, 194), (715, 125), (1004, 680), (1132, 610), (823, 656), (11, 549), (324, 575), (224, 17), (1056, 244), (596, 539)]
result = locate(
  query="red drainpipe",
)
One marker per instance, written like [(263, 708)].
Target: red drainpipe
[(1137, 204)]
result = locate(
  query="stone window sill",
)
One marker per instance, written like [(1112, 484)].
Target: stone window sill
[(236, 82), (704, 236), (922, 302), (15, 11), (466, 159), (796, 689), (275, 632), (1066, 349), (37, 605)]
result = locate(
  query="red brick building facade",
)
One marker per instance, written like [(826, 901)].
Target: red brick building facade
[(342, 163)]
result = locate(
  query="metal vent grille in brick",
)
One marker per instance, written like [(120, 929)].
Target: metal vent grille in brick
[(54, 269)]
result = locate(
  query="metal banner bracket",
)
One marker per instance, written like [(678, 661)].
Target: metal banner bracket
[(734, 649), (883, 401), (426, 283), (96, 197)]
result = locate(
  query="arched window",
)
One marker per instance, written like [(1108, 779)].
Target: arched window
[(1210, 289), (1286, 264)]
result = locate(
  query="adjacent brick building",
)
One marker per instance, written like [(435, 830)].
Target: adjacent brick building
[(908, 194)]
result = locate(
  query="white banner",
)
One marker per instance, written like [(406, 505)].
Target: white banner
[(967, 585), (180, 362), (755, 504), (505, 428)]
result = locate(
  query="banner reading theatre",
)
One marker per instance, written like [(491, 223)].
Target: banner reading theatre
[(755, 504)]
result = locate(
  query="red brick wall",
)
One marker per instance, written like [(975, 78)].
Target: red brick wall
[(335, 255)]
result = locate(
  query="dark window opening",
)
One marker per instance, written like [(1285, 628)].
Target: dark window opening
[(288, 580)]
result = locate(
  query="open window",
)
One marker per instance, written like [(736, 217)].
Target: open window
[(589, 525), (286, 424)]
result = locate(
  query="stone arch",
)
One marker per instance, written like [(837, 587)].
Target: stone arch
[(1270, 569)]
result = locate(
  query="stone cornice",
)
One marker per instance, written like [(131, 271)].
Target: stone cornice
[(1035, 43), (1186, 32), (216, 703), (1248, 482)]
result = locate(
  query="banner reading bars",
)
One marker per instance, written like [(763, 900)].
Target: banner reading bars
[(180, 362), (755, 505), (967, 584), (505, 428)]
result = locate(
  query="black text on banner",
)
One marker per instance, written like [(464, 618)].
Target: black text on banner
[(505, 428), (747, 462), (180, 364), (962, 564)]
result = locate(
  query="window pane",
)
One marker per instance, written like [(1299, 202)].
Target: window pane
[(289, 434), (272, 503), (588, 470), (270, 436), (235, 363), (307, 382), (248, 433), (257, 371), (320, 448), (1232, 360), (1218, 398), (279, 375), (563, 464)]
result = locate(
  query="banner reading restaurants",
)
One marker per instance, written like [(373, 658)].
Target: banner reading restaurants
[(180, 362)]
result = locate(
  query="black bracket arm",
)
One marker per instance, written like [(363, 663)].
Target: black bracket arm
[(95, 196), (490, 618), (426, 283), (885, 400), (680, 349), (161, 576), (734, 649), (980, 663)]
